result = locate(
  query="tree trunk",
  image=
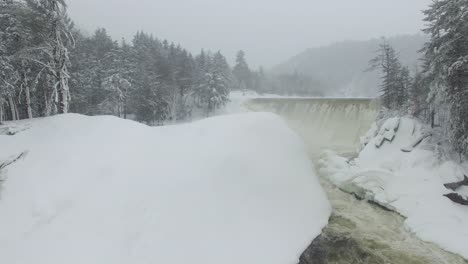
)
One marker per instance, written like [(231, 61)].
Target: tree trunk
[(432, 119), (49, 96), (27, 91), (60, 55), (63, 94), (1, 112), (46, 105), (12, 108), (28, 101), (62, 100), (17, 112), (125, 108)]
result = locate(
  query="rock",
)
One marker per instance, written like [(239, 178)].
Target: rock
[(455, 185), (340, 244), (456, 198), (416, 142)]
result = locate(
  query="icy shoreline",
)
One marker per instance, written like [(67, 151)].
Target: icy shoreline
[(407, 181)]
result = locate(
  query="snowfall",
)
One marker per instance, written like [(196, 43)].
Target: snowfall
[(233, 189), (236, 188), (396, 173)]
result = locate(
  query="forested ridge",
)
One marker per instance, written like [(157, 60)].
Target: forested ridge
[(437, 93), (330, 65), (48, 66)]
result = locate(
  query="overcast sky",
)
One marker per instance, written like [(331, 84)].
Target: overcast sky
[(269, 31)]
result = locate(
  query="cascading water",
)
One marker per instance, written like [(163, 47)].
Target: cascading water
[(334, 124), (358, 232)]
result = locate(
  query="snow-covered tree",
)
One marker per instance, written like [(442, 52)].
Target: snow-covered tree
[(395, 78), (446, 68), (117, 89), (404, 86), (418, 92), (185, 78), (12, 38), (458, 96), (52, 53), (242, 72), (44, 60), (213, 90)]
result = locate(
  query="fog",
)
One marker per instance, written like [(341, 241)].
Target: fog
[(269, 31)]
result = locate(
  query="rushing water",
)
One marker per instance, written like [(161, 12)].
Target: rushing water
[(324, 123), (358, 232)]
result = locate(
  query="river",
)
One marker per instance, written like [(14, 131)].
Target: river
[(359, 231)]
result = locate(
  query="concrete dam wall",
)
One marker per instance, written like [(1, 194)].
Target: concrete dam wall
[(323, 123)]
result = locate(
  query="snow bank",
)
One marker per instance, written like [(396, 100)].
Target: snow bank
[(408, 182), (234, 189)]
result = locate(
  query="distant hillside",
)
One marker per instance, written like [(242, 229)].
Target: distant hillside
[(342, 66)]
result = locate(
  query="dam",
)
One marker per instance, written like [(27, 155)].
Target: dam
[(324, 123), (358, 231)]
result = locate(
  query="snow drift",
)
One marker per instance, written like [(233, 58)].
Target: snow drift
[(406, 179), (234, 189)]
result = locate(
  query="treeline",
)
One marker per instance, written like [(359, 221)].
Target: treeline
[(152, 80), (438, 93), (281, 84), (47, 66)]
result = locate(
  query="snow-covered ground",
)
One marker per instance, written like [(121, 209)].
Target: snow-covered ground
[(406, 179), (237, 188), (232, 189)]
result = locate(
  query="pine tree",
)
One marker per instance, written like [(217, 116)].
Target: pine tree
[(404, 86), (458, 96), (44, 60), (152, 79), (242, 72), (117, 89), (395, 79), (260, 80), (13, 37), (418, 93), (213, 90), (446, 68)]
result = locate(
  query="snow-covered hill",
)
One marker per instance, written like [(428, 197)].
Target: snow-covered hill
[(342, 67), (232, 189)]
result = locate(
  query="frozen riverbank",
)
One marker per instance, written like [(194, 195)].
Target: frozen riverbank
[(359, 231), (406, 180)]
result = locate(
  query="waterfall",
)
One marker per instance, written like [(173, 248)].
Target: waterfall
[(336, 124)]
